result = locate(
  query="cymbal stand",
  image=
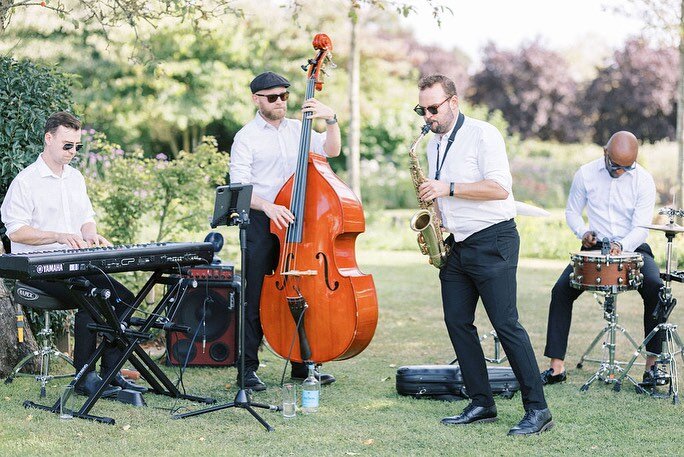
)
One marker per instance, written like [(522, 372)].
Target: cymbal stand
[(672, 343), (499, 356), (608, 369)]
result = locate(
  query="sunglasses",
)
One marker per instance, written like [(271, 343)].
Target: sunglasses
[(273, 97), (613, 167), (432, 109), (68, 146)]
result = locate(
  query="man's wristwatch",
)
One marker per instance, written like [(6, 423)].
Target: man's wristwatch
[(332, 121)]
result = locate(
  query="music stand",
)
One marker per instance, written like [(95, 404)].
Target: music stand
[(231, 208)]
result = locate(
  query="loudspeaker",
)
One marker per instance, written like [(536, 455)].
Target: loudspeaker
[(216, 298)]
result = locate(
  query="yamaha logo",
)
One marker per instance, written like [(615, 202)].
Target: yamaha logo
[(27, 294)]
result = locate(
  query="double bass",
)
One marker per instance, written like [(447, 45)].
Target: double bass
[(318, 306)]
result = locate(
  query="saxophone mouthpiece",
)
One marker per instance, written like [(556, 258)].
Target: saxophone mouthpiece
[(425, 129)]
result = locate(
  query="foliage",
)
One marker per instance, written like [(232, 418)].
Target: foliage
[(635, 92), (29, 93), (531, 86), (126, 187)]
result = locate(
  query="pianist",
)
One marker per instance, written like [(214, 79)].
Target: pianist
[(47, 208)]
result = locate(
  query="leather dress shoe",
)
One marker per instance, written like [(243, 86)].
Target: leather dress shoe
[(252, 381), (547, 377), (472, 414), (534, 422), (122, 382), (91, 383), (300, 372)]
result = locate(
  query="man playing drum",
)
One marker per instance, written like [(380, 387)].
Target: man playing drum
[(618, 195)]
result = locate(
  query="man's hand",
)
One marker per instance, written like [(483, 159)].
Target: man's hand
[(431, 189), (280, 215), (615, 248), (94, 239), (589, 239), (314, 109), (72, 240)]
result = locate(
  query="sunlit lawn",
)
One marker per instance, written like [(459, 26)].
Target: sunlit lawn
[(362, 414)]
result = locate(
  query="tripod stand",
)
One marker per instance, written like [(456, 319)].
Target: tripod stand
[(672, 343), (608, 368), (231, 208)]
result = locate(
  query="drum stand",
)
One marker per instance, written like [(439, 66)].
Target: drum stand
[(499, 357), (672, 343), (608, 368)]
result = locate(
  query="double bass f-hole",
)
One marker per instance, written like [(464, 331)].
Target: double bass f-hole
[(289, 260), (322, 255)]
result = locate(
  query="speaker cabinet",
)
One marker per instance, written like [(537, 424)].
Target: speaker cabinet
[(210, 310)]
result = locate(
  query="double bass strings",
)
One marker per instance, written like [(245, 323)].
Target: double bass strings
[(293, 233)]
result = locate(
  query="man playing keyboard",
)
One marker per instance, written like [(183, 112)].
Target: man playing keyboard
[(47, 208)]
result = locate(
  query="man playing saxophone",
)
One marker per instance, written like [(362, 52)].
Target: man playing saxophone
[(470, 179)]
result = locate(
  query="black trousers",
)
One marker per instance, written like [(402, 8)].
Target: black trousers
[(484, 265), (563, 295), (85, 341), (262, 259)]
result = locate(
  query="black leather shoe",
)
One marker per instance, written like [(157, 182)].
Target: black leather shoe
[(91, 383), (472, 414), (547, 377), (300, 372), (252, 381), (120, 381), (534, 422), (655, 377)]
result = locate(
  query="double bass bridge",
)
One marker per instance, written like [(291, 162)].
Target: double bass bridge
[(300, 273)]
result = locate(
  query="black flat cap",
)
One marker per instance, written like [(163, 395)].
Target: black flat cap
[(267, 80)]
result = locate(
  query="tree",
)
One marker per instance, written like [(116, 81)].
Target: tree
[(532, 88), (664, 19), (635, 92), (29, 93)]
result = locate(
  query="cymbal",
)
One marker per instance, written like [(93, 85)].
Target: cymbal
[(672, 228)]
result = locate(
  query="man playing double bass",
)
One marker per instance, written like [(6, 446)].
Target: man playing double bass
[(264, 154), (471, 183), (618, 196)]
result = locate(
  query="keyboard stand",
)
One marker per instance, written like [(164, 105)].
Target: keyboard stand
[(107, 323)]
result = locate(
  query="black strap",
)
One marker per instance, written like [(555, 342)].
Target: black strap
[(439, 165)]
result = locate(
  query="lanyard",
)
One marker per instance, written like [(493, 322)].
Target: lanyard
[(439, 164)]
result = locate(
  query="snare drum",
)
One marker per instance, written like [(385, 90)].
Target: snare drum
[(606, 273)]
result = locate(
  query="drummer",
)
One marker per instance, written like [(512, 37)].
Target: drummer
[(618, 195)]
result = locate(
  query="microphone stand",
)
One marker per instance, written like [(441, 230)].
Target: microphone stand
[(233, 216)]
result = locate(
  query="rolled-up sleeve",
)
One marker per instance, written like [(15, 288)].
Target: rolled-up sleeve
[(17, 208), (493, 160)]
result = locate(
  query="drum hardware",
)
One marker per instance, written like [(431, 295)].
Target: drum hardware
[(499, 356), (608, 366), (664, 372)]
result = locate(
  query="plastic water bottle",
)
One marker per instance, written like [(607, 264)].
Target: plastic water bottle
[(311, 392)]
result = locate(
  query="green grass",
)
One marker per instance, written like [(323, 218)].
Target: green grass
[(362, 414)]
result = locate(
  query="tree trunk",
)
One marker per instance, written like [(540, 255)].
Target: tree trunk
[(11, 351), (354, 138), (680, 114)]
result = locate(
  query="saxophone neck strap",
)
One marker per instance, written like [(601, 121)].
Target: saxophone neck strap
[(457, 127)]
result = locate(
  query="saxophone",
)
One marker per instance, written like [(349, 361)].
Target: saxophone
[(426, 221)]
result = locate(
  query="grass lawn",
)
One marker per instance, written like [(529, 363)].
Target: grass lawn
[(362, 414)]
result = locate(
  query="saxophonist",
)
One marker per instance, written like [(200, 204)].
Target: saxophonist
[(470, 179)]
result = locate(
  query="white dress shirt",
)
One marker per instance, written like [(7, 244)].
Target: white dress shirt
[(477, 153), (40, 199), (616, 207), (266, 157)]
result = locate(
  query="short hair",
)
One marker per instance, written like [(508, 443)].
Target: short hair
[(64, 119), (446, 83)]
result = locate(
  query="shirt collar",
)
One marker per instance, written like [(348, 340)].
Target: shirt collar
[(45, 170), (263, 124)]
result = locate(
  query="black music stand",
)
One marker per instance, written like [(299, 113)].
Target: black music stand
[(231, 208)]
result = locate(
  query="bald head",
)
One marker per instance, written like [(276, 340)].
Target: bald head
[(622, 148)]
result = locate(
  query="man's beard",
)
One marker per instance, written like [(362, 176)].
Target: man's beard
[(273, 115)]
